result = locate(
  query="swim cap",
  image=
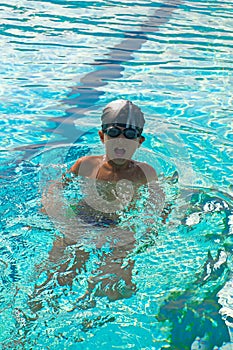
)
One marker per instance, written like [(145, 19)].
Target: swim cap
[(123, 112)]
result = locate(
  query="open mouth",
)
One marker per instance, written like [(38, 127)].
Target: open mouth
[(119, 152)]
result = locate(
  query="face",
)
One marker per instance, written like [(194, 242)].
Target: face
[(120, 143)]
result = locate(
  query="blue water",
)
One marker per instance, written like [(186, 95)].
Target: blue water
[(61, 62)]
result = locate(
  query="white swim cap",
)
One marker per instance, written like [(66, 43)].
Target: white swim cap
[(123, 112)]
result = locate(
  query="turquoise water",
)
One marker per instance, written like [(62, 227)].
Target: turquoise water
[(61, 62)]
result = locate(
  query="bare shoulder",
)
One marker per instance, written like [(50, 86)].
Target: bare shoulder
[(148, 170), (85, 166)]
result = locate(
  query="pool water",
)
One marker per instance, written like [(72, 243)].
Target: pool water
[(61, 63)]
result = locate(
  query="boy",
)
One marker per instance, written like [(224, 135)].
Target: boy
[(111, 184)]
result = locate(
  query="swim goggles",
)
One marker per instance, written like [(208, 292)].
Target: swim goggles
[(115, 131)]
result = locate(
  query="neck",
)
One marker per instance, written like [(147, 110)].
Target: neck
[(117, 164)]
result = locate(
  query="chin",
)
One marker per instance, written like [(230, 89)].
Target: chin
[(119, 161)]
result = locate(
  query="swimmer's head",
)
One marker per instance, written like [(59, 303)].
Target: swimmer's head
[(123, 112)]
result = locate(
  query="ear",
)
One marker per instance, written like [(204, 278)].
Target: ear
[(141, 140), (101, 135)]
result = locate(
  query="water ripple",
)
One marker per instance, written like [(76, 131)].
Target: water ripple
[(60, 63)]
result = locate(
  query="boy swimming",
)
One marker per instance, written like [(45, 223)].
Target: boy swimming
[(111, 186)]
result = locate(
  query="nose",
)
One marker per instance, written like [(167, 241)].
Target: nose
[(121, 136)]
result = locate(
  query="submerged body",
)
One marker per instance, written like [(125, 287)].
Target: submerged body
[(110, 187)]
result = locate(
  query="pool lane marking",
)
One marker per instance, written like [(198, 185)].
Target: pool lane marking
[(107, 69)]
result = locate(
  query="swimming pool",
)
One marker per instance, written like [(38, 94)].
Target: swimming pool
[(61, 62)]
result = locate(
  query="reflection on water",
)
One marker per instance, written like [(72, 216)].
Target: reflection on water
[(167, 279), (60, 64)]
